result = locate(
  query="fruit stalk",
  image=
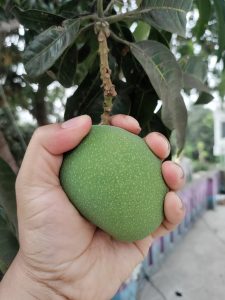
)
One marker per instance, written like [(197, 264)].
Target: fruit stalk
[(102, 29)]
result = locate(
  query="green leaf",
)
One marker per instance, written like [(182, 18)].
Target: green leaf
[(205, 9), (161, 36), (204, 98), (138, 2), (147, 101), (166, 77), (37, 20), (169, 15), (156, 124), (8, 243), (87, 99), (161, 67), (133, 71), (195, 76), (122, 102), (192, 82), (47, 47), (141, 32), (220, 11), (197, 67), (84, 52), (174, 116), (74, 8), (7, 192), (67, 67)]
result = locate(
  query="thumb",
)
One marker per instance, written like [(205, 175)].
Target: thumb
[(43, 158), (41, 203)]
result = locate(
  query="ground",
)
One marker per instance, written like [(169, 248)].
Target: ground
[(195, 270)]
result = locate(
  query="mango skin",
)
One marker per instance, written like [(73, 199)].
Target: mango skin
[(115, 182)]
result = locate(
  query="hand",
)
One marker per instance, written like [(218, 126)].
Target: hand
[(63, 256)]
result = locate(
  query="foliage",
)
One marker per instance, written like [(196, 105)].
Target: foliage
[(149, 57), (51, 49)]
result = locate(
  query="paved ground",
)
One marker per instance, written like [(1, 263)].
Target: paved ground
[(195, 270)]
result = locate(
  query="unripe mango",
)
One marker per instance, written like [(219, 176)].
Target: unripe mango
[(115, 182)]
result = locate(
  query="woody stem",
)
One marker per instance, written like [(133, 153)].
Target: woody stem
[(108, 87)]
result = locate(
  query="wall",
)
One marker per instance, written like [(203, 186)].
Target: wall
[(197, 196)]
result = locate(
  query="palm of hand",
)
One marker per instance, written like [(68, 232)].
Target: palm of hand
[(59, 247), (63, 246)]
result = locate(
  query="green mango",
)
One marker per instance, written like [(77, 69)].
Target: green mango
[(115, 182)]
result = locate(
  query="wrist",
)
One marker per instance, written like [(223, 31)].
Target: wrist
[(18, 284)]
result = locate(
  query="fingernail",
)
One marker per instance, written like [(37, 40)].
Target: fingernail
[(75, 122), (165, 139), (181, 170)]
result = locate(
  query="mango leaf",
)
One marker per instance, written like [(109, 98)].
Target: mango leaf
[(156, 124), (147, 101), (8, 243), (73, 8), (204, 8), (7, 192), (133, 71), (141, 32), (192, 82), (197, 67), (138, 2), (37, 20), (84, 52), (122, 102), (121, 105), (87, 99), (160, 36), (195, 76), (166, 77), (220, 11), (204, 98), (67, 67), (174, 116), (161, 67), (139, 89), (169, 15), (47, 47)]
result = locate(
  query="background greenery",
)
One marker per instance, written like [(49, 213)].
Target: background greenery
[(150, 58)]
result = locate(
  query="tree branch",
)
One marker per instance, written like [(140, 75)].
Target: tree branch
[(6, 154), (118, 39), (40, 110), (100, 9), (109, 6), (103, 32)]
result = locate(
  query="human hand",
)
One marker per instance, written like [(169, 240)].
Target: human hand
[(63, 256)]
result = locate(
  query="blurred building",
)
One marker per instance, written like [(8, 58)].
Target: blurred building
[(219, 133)]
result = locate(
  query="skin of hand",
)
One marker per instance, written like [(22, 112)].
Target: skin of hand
[(62, 256)]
